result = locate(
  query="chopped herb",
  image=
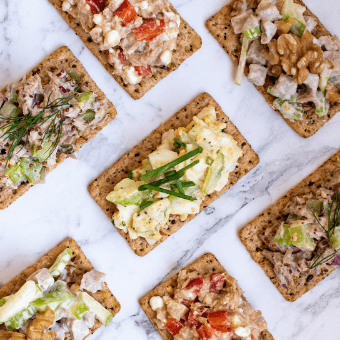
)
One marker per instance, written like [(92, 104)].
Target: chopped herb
[(124, 224), (130, 174), (209, 161), (170, 173), (170, 165), (172, 193), (179, 144), (184, 185), (113, 222), (223, 130), (179, 186), (145, 205)]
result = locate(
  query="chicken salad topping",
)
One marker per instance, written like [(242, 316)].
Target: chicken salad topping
[(278, 44), (48, 307)]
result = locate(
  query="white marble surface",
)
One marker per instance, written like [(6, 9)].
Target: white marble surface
[(47, 214)]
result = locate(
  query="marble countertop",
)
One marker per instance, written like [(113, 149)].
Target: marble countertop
[(47, 214)]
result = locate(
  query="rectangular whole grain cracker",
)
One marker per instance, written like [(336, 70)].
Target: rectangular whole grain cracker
[(80, 262), (62, 57), (105, 183), (188, 42), (249, 234), (220, 27), (204, 265)]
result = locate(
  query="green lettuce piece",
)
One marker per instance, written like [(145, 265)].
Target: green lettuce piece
[(31, 169), (15, 174), (61, 262), (289, 110), (9, 110), (41, 153), (214, 174)]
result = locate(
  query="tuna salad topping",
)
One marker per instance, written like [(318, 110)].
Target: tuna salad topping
[(280, 46), (37, 122), (307, 243), (190, 163), (138, 36), (51, 304), (207, 307)]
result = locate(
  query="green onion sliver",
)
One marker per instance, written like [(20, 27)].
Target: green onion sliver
[(184, 185), (170, 173), (170, 165), (179, 144), (169, 192), (179, 186), (145, 205), (169, 179), (130, 174)]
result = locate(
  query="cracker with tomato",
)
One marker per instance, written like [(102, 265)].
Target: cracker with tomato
[(105, 183), (221, 29), (201, 323), (188, 42)]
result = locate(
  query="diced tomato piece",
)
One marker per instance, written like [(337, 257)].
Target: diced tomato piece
[(96, 6), (253, 337), (149, 30), (122, 58), (187, 303), (193, 320), (216, 282), (205, 332), (63, 90), (195, 285), (220, 321), (126, 12), (143, 71), (174, 326)]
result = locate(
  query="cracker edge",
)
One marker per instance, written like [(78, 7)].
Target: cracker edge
[(16, 283), (87, 133), (208, 257), (296, 126), (249, 157), (252, 228), (185, 29)]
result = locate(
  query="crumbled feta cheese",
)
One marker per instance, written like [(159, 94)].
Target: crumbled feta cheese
[(166, 57), (66, 6), (131, 75), (156, 302), (97, 19), (144, 5), (235, 321), (112, 38), (242, 331)]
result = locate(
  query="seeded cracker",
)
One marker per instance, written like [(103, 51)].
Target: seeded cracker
[(220, 27), (105, 183), (188, 42), (249, 234), (204, 265), (62, 57), (79, 260)]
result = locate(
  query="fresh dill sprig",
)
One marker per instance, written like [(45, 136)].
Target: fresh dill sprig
[(333, 222), (18, 128)]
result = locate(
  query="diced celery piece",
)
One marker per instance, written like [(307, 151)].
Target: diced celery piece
[(20, 319), (293, 10), (42, 175), (214, 174), (242, 61), (289, 110), (78, 310), (74, 75), (66, 148), (324, 77), (282, 237), (253, 32), (315, 206), (9, 110), (322, 109), (335, 238), (31, 169), (88, 116), (59, 286), (85, 96), (15, 174), (298, 27), (102, 314), (42, 152), (61, 262)]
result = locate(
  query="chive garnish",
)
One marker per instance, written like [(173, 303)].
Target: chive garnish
[(179, 186), (130, 174), (113, 222), (179, 144), (169, 192), (170, 165), (177, 175), (145, 205), (184, 185), (170, 173)]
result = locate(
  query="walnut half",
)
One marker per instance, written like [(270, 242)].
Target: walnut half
[(4, 335), (37, 328)]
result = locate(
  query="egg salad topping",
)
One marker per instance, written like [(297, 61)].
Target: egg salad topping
[(190, 163)]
